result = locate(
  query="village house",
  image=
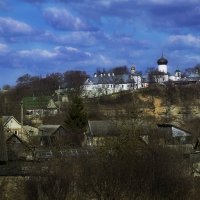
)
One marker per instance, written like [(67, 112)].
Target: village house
[(11, 126), (99, 130), (37, 107), (51, 135), (17, 149), (175, 137)]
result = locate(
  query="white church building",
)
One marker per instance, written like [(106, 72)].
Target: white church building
[(162, 75)]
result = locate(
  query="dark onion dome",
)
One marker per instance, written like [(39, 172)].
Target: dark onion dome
[(162, 61), (177, 70)]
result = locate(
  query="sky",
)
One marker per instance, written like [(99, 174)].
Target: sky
[(39, 37)]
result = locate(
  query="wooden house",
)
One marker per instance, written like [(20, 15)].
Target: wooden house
[(99, 130), (17, 149), (11, 125), (39, 106), (175, 138), (51, 135)]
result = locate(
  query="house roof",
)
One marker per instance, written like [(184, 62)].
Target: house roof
[(36, 102), (171, 125), (113, 79), (47, 130), (6, 119), (14, 136), (103, 128), (100, 128)]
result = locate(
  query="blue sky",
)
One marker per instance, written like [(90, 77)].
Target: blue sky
[(45, 36)]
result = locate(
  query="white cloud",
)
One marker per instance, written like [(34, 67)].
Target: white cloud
[(57, 53), (11, 26), (37, 53), (188, 39), (3, 48), (62, 19)]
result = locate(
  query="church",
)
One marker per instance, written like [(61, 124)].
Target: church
[(161, 75), (110, 82)]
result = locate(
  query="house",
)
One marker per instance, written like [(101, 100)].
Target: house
[(175, 137), (51, 135), (99, 130), (30, 130), (11, 125), (17, 149), (36, 107)]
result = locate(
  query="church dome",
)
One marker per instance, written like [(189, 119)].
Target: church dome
[(162, 61)]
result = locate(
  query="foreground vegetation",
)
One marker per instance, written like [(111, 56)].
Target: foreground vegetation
[(123, 168)]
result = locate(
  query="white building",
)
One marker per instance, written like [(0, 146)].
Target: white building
[(176, 76), (162, 75), (109, 83)]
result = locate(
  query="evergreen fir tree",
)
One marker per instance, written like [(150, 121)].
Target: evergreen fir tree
[(76, 117)]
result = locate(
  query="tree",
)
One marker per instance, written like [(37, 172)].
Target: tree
[(120, 70), (24, 80), (193, 70), (6, 87), (76, 119), (74, 80)]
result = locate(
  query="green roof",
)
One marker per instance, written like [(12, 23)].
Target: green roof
[(36, 102)]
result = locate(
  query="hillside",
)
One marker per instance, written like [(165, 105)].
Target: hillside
[(172, 104)]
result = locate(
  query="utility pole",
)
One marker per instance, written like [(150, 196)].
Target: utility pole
[(22, 115), (59, 99)]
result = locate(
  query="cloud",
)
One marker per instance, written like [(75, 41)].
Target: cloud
[(3, 48), (43, 61), (62, 19), (9, 26), (158, 14), (187, 40), (59, 53)]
